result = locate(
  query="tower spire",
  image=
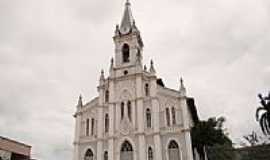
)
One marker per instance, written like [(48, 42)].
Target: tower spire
[(127, 20)]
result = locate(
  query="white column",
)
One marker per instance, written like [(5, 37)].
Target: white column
[(142, 150), (158, 150), (186, 121), (99, 150), (157, 138), (111, 149), (140, 119), (100, 126), (76, 153)]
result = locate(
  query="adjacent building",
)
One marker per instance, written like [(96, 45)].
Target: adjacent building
[(13, 150)]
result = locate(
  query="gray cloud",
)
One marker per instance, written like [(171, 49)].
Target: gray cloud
[(51, 51)]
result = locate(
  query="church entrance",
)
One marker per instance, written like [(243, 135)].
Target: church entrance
[(89, 155), (126, 151), (173, 151)]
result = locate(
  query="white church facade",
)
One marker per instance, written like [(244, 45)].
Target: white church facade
[(134, 116)]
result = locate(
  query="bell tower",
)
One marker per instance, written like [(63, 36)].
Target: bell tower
[(128, 42)]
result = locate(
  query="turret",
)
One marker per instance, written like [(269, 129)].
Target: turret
[(152, 68), (182, 88), (80, 103)]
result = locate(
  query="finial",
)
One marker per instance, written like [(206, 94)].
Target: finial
[(102, 75), (152, 68), (182, 87), (80, 103), (144, 68), (112, 63), (127, 2)]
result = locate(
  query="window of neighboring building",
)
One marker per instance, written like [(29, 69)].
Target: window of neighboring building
[(150, 153), (146, 89), (173, 116), (106, 155), (148, 118), (107, 123), (125, 53), (87, 127), (129, 110), (122, 110), (92, 126), (107, 94), (168, 116)]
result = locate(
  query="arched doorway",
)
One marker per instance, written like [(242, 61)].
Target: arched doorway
[(89, 155), (126, 151), (173, 151)]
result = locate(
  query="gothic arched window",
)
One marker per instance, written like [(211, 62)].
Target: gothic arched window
[(106, 155), (125, 53), (173, 116), (89, 155), (92, 126), (150, 153), (173, 151), (126, 152), (148, 118), (129, 110), (146, 89), (168, 116), (107, 123), (122, 110), (87, 127), (107, 94)]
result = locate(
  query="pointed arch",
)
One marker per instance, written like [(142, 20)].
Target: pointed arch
[(146, 89), (89, 155), (126, 151), (125, 53), (148, 118), (150, 154), (107, 123), (173, 151), (122, 110), (167, 114), (173, 116), (129, 110), (105, 156), (107, 95)]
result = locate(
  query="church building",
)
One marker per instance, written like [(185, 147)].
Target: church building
[(134, 116)]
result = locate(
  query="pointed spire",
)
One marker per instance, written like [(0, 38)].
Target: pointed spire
[(102, 77), (144, 68), (182, 87), (80, 103), (117, 30), (152, 68), (112, 64), (127, 20)]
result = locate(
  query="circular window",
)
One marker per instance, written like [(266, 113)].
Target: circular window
[(125, 72)]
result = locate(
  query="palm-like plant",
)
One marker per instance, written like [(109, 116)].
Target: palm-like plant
[(263, 113)]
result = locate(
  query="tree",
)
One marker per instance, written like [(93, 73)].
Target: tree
[(210, 135), (263, 113)]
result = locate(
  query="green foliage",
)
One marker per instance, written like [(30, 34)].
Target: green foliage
[(210, 134)]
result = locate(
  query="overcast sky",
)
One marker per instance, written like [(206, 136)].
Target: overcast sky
[(51, 51)]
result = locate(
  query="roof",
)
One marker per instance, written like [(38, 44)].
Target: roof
[(14, 146)]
